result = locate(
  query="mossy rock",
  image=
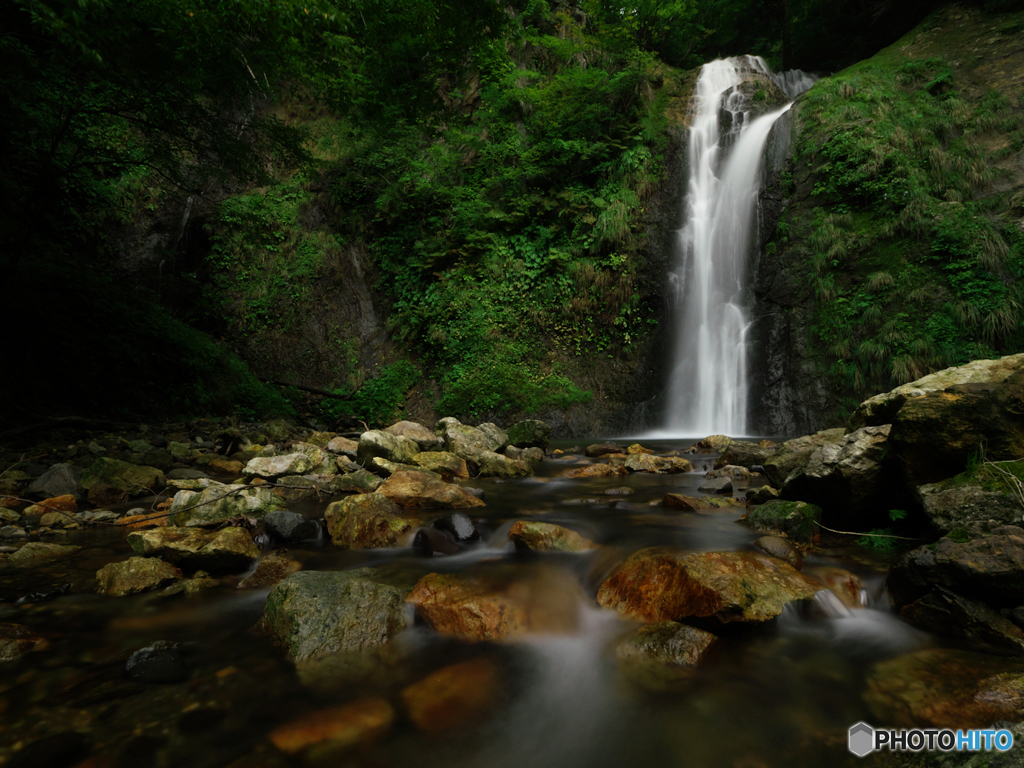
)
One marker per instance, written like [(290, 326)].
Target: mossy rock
[(797, 519)]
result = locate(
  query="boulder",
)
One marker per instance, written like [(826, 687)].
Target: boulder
[(796, 519), (531, 433), (783, 549), (636, 448), (643, 462), (987, 493), (343, 446), (35, 552), (314, 613), (378, 443), (732, 471), (227, 466), (848, 478), (455, 697), (666, 643), (136, 574), (272, 569), (491, 464), (463, 440), (716, 485), (494, 604), (744, 454), (596, 470), (366, 521), (497, 436), (109, 481), (941, 420), (17, 640), (385, 469), (273, 467), (421, 489), (840, 582), (793, 454), (529, 535), (699, 503), (762, 495), (58, 480), (976, 624), (288, 526), (335, 728), (986, 565), (219, 502), (714, 443), (360, 481), (602, 449), (229, 549), (423, 437), (443, 463), (946, 688), (665, 584)]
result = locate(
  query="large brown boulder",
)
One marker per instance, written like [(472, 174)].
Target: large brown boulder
[(941, 420), (665, 584), (492, 604), (454, 697), (423, 489), (366, 521)]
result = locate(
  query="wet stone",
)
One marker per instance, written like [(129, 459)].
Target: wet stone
[(290, 526), (335, 727), (783, 549), (528, 535), (716, 485), (272, 569), (136, 574), (454, 697), (17, 640), (160, 662), (459, 525)]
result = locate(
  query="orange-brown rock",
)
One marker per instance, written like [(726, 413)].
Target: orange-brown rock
[(597, 470), (548, 537), (420, 489), (637, 448), (137, 522), (355, 723), (227, 467), (665, 584), (366, 521), (841, 583), (65, 503), (492, 604), (271, 569), (453, 697), (666, 642)]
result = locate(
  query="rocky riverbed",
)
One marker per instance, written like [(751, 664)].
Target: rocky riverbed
[(213, 593)]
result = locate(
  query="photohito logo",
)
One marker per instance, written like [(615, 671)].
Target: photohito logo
[(863, 740)]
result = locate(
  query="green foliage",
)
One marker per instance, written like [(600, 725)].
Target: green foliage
[(518, 228), (884, 539), (380, 401), (911, 268)]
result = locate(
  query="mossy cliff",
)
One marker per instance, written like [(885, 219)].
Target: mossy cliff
[(900, 249)]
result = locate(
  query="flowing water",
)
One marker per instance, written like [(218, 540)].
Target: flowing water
[(768, 695), (709, 382)]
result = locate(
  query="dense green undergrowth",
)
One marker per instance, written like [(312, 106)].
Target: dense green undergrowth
[(912, 244)]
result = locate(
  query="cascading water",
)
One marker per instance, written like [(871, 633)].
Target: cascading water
[(708, 390)]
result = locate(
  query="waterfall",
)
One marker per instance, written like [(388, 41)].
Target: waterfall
[(708, 389)]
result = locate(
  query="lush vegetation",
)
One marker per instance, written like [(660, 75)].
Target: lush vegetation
[(915, 258), (492, 164)]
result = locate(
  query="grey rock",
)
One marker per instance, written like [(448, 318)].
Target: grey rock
[(716, 485), (58, 480), (314, 613), (459, 525), (290, 526)]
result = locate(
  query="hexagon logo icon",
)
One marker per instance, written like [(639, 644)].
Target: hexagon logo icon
[(862, 739)]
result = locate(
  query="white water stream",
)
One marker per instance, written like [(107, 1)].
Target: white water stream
[(709, 384)]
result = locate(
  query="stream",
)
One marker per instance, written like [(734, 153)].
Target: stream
[(766, 695)]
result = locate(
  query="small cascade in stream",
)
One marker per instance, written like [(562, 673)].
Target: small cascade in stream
[(708, 388)]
